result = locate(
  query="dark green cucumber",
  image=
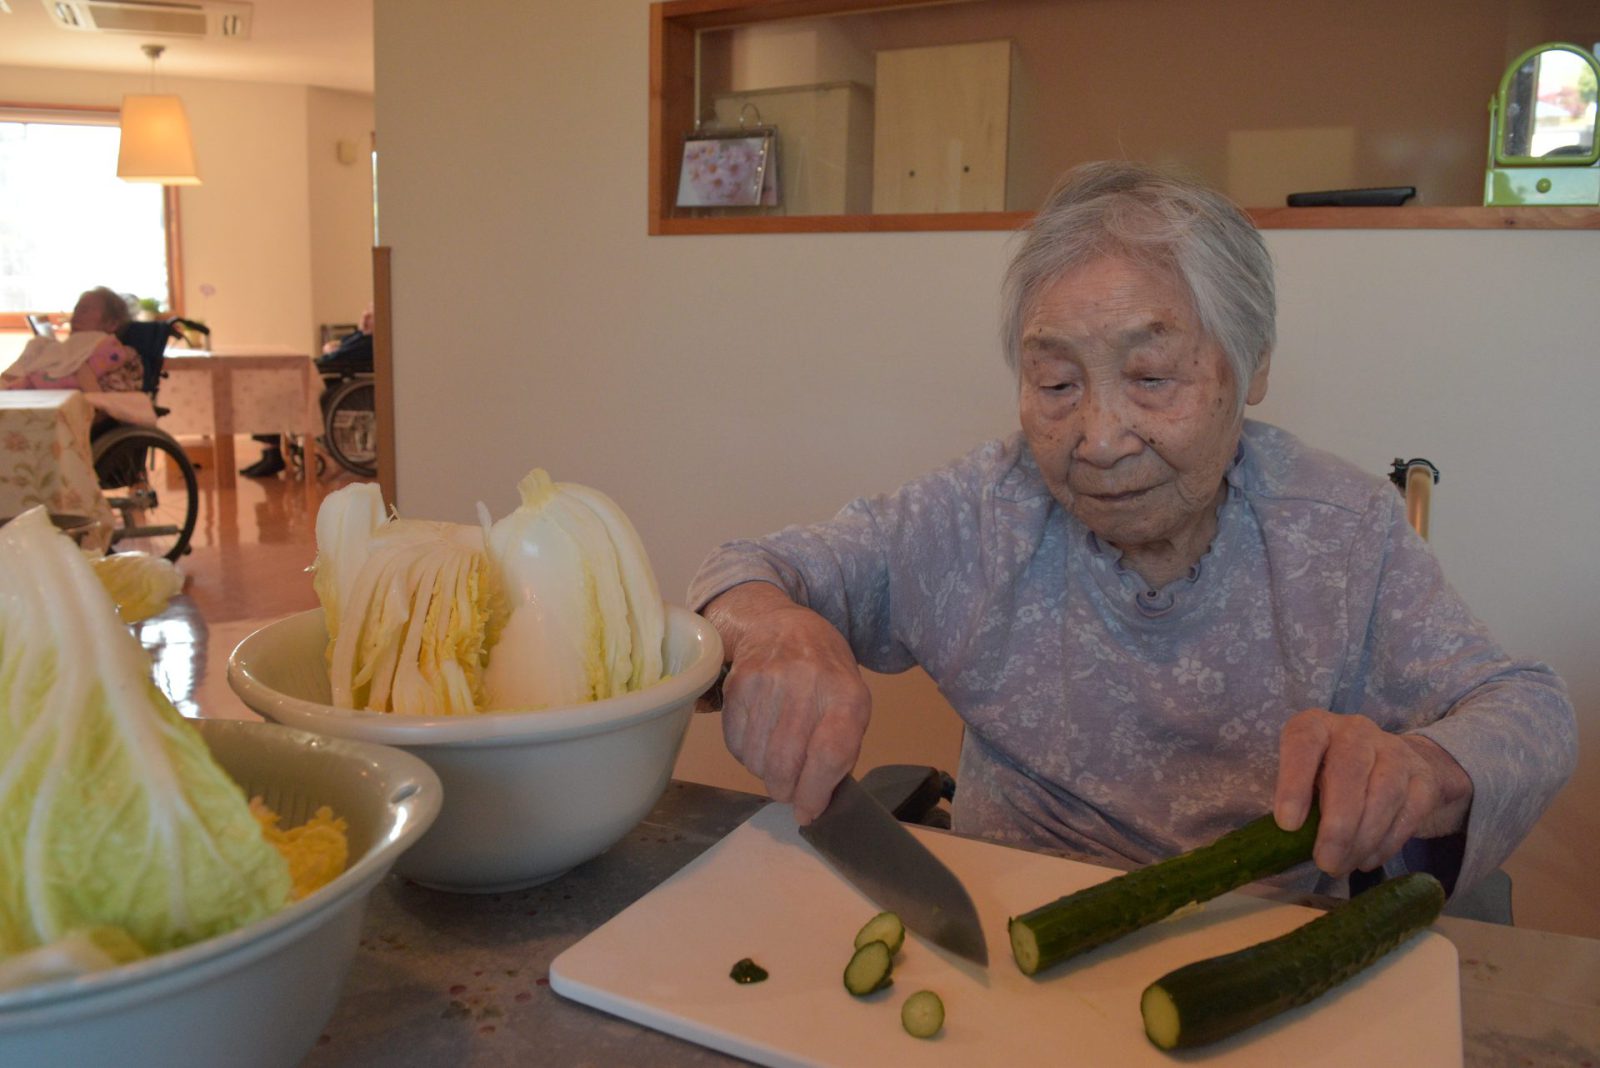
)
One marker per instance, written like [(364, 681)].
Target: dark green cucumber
[(1098, 914), (1220, 996)]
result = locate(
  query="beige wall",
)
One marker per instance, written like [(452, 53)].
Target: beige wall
[(247, 230), (724, 386), (340, 204)]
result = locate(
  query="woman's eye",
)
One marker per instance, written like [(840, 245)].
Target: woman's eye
[(1153, 381)]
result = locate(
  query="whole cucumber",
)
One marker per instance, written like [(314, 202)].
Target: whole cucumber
[(1220, 996), (1097, 914)]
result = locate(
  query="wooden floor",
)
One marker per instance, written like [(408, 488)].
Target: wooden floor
[(252, 545)]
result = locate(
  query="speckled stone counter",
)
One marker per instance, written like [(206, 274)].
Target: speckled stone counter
[(454, 979)]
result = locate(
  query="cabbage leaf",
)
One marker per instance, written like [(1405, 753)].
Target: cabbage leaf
[(140, 584)]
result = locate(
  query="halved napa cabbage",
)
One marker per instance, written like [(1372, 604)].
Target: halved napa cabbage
[(555, 604), (410, 630), (112, 811), (586, 618)]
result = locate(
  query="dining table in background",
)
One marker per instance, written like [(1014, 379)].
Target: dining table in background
[(222, 392), (46, 457)]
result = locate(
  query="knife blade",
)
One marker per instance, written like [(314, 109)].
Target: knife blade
[(883, 860)]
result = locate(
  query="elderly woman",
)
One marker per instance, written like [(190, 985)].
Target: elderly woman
[(91, 359), (1156, 618)]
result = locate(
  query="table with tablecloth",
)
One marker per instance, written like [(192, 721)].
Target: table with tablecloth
[(223, 392), (46, 458)]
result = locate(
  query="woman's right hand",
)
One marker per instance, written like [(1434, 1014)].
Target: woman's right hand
[(794, 706)]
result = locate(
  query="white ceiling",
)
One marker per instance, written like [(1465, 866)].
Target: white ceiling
[(301, 42)]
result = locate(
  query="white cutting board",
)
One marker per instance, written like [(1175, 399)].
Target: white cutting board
[(763, 892)]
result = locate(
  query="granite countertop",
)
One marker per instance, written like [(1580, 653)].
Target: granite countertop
[(447, 979)]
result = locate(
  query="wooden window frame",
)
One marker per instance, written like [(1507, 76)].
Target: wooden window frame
[(674, 24), (172, 221)]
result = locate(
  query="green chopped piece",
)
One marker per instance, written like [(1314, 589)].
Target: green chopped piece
[(923, 1014), (885, 927), (869, 969), (747, 971)]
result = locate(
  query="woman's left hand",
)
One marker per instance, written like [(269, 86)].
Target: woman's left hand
[(1376, 790)]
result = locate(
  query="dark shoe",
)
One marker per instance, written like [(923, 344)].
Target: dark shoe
[(266, 467)]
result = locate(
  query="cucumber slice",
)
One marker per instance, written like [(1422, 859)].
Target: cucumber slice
[(885, 927), (1220, 996), (923, 1014), (1097, 914), (868, 970)]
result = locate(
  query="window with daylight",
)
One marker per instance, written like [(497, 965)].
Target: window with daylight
[(67, 222)]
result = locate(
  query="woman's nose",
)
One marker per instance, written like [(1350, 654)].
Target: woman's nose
[(1105, 434)]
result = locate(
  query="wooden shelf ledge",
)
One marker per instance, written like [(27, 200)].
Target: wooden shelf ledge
[(1401, 218)]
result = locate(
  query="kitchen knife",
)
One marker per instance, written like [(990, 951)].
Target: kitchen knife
[(869, 847)]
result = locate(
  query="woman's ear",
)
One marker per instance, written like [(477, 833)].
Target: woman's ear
[(1258, 381)]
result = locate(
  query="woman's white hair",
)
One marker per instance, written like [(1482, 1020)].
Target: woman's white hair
[(1159, 221)]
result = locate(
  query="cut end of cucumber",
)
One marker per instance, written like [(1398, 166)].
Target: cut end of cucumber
[(885, 927), (923, 1014), (1161, 1024), (1024, 947)]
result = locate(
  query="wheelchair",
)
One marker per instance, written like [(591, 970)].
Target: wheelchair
[(147, 479), (350, 423)]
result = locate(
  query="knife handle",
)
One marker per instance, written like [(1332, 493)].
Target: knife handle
[(711, 700)]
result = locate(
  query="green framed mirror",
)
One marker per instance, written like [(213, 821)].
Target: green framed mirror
[(1543, 120)]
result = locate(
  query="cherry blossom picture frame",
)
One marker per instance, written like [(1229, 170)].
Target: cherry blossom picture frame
[(731, 169)]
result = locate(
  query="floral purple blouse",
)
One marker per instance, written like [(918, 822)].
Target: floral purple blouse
[(1108, 719)]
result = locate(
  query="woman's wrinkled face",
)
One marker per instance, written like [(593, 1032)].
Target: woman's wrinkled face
[(1128, 406)]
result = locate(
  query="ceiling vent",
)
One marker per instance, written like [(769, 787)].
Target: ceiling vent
[(214, 19)]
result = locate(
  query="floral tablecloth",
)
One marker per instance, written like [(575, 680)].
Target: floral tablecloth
[(240, 392), (45, 457)]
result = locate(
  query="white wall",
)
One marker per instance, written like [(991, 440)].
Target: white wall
[(724, 386), (340, 209), (247, 230)]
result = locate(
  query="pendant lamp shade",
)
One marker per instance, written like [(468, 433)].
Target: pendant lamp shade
[(156, 146)]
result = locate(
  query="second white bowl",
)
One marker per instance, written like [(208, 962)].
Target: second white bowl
[(527, 795)]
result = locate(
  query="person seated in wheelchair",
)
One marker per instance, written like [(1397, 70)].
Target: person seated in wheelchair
[(349, 356), (91, 358)]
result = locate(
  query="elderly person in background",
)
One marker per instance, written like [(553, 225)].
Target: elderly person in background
[(1157, 619), (90, 359)]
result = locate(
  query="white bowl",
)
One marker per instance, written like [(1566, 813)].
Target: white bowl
[(527, 795), (259, 995)]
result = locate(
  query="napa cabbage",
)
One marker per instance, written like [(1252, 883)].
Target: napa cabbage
[(345, 524), (112, 811), (586, 618), (555, 604), (410, 606)]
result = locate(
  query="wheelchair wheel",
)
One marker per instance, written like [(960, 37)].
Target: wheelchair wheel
[(149, 483), (352, 427)]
